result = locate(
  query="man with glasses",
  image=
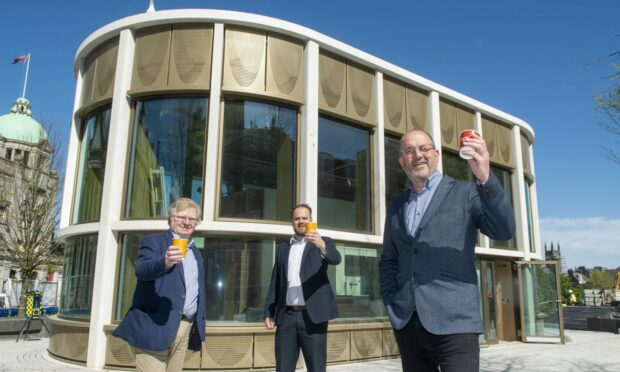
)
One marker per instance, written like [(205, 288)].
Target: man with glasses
[(167, 315), (427, 270)]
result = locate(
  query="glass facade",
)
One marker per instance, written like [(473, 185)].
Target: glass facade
[(528, 205), (238, 274), (395, 178), (258, 169), (79, 271), (344, 192), (539, 283), (91, 166), (167, 154), (503, 175), (454, 166)]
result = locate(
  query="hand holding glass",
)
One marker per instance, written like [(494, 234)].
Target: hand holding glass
[(181, 243)]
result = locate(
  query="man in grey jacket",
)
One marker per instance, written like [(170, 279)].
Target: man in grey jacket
[(427, 268)]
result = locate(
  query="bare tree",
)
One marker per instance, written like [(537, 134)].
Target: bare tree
[(608, 104), (31, 206)]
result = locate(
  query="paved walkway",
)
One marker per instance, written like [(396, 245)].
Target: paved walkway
[(583, 352)]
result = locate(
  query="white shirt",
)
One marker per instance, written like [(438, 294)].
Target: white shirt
[(294, 293)]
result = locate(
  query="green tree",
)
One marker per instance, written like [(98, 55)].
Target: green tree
[(608, 104), (599, 279), (565, 286)]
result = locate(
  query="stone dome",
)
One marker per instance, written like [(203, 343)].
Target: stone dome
[(18, 124)]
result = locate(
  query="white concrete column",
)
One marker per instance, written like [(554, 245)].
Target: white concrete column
[(214, 125), (309, 130), (534, 210), (484, 240), (434, 123), (518, 185), (72, 155), (379, 160), (111, 203)]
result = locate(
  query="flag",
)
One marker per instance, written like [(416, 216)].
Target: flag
[(20, 58)]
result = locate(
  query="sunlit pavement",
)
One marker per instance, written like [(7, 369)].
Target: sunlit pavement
[(583, 351)]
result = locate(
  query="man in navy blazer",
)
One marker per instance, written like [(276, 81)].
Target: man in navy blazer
[(300, 301), (427, 268), (167, 315)]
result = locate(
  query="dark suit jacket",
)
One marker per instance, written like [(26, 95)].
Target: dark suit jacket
[(318, 295), (153, 320), (434, 271)]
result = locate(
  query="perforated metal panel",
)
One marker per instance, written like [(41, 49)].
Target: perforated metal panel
[(57, 339), (338, 346), (504, 143), (361, 93), (449, 130), (417, 109), (88, 78), (75, 343), (366, 344), (332, 80), (525, 155), (390, 347), (284, 68), (231, 351), (394, 106), (490, 137), (119, 353), (244, 61), (190, 57), (151, 59), (264, 351), (103, 86)]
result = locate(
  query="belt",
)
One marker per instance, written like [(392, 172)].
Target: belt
[(295, 308)]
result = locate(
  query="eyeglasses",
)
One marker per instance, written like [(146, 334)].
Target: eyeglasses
[(411, 150), (191, 220)]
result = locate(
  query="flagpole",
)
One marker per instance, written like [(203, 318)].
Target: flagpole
[(26, 78)]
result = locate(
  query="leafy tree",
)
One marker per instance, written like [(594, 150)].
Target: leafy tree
[(599, 279), (608, 104), (31, 208)]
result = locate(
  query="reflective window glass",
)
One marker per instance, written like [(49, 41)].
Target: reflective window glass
[(395, 178), (344, 192), (355, 282), (78, 276), (258, 161), (503, 175), (91, 166), (454, 166), (528, 205), (167, 154)]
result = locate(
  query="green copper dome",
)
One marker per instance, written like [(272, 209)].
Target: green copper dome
[(18, 124)]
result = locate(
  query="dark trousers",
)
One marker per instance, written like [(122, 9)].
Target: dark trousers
[(296, 330), (421, 351)]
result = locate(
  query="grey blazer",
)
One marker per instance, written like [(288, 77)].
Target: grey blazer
[(318, 294), (434, 271)]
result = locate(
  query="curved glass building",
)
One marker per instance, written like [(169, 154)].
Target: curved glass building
[(248, 116)]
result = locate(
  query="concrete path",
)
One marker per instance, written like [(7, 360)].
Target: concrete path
[(583, 352)]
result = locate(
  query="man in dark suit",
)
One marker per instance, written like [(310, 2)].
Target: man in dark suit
[(300, 300), (167, 315), (427, 268)]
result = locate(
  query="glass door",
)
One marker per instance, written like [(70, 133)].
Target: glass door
[(541, 306)]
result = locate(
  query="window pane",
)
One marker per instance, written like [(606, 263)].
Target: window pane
[(395, 178), (454, 166), (167, 154), (503, 176), (528, 205), (127, 280), (258, 161), (91, 168), (79, 271), (344, 176), (356, 282)]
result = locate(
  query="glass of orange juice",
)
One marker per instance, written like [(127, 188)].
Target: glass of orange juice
[(181, 243)]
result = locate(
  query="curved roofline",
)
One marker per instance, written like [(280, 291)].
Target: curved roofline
[(291, 29)]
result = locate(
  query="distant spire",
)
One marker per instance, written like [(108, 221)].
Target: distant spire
[(558, 246), (545, 246), (551, 246), (151, 7)]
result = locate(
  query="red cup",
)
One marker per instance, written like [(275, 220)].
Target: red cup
[(467, 133)]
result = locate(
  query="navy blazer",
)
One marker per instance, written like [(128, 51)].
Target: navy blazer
[(153, 320), (318, 295), (434, 271)]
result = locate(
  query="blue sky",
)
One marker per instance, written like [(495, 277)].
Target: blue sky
[(541, 61)]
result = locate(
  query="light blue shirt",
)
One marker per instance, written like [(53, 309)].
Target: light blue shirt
[(190, 271), (418, 202), (294, 293)]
